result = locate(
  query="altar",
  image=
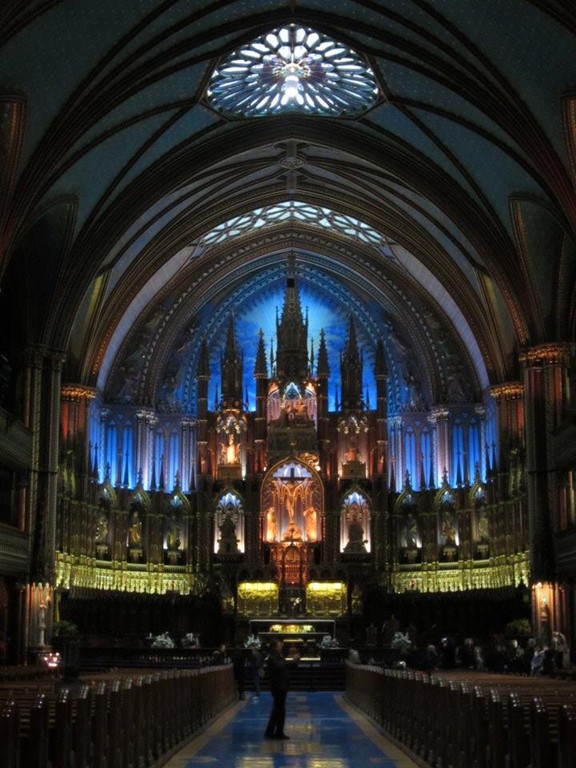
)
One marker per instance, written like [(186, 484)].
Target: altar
[(306, 635), (320, 599)]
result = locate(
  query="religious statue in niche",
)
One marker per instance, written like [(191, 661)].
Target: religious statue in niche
[(228, 542), (291, 504), (411, 532), (310, 524), (352, 446), (229, 451), (101, 536), (173, 534), (271, 533), (351, 453), (290, 492), (294, 404), (135, 530), (482, 533), (447, 527), (356, 599), (483, 526), (356, 536)]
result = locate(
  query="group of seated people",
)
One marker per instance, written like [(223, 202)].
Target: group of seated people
[(532, 658)]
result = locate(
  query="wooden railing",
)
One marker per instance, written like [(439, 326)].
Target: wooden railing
[(471, 721), (119, 723)]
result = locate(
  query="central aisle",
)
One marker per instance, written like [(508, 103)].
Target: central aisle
[(325, 732)]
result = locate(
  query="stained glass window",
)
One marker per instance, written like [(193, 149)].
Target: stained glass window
[(293, 210), (293, 69)]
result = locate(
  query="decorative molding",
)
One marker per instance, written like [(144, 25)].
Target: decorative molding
[(557, 353), (513, 390), (460, 577), (78, 392)]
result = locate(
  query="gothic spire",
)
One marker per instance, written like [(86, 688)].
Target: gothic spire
[(125, 479), (232, 365), (323, 367), (261, 367), (351, 365), (392, 475), (292, 334), (422, 475)]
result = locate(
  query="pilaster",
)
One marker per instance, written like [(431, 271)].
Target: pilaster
[(42, 416), (546, 397)]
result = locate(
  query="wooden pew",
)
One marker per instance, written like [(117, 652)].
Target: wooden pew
[(9, 735), (543, 738), (480, 733), (566, 736), (34, 751), (60, 735), (81, 734), (99, 725), (117, 723), (484, 721), (518, 736)]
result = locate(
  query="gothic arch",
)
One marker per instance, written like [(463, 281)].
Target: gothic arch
[(292, 503)]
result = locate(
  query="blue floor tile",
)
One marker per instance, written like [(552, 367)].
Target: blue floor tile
[(322, 735)]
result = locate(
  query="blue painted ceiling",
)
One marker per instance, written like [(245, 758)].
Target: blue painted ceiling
[(113, 166)]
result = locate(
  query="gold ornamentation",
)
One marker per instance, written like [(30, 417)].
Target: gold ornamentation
[(77, 392), (460, 577), (547, 354), (513, 390)]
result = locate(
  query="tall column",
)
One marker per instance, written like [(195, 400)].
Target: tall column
[(439, 417), (76, 521), (480, 411), (397, 450), (74, 420), (546, 396), (101, 457), (509, 399), (186, 454), (381, 375), (42, 417), (144, 419)]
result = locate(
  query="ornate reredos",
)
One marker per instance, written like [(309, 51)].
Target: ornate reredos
[(292, 503)]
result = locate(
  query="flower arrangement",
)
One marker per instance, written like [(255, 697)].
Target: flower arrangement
[(519, 628), (65, 628), (252, 641), (402, 642), (191, 640), (163, 641)]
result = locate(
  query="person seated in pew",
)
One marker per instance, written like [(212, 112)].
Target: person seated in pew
[(219, 656), (430, 660)]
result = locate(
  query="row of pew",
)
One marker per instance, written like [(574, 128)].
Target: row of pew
[(130, 722), (470, 720)]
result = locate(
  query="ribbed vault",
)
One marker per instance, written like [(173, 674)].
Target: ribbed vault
[(114, 165)]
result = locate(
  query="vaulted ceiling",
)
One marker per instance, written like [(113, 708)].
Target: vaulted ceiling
[(113, 166)]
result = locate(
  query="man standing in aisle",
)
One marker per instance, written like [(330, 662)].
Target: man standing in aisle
[(279, 680)]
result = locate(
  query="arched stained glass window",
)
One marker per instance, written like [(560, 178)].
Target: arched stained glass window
[(294, 210), (293, 69)]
